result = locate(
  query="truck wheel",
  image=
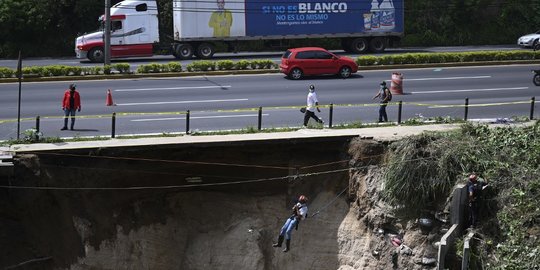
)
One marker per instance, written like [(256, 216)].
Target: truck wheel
[(184, 51), (96, 55), (296, 74), (359, 45), (345, 72), (205, 51), (377, 45), (346, 45)]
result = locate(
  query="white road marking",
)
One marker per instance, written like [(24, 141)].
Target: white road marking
[(469, 90), (198, 117), (181, 102), (171, 88), (448, 78)]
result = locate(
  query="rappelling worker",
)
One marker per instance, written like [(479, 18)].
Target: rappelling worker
[(300, 210), (474, 190)]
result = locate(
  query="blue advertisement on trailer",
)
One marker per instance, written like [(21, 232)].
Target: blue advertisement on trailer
[(304, 17)]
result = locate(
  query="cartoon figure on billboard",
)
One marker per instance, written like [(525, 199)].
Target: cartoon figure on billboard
[(221, 20)]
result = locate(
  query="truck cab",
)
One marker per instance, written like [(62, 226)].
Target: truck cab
[(134, 31)]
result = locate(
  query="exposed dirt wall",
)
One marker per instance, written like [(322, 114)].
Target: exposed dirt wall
[(210, 227)]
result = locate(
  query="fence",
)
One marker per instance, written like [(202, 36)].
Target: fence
[(400, 105)]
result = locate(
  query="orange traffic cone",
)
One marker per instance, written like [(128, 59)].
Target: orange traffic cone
[(109, 101)]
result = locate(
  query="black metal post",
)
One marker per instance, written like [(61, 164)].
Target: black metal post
[(113, 128), (466, 109), (37, 123), (531, 116), (400, 107), (259, 124), (187, 122), (19, 77), (331, 116)]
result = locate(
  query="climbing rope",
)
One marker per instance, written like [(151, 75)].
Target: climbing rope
[(329, 203)]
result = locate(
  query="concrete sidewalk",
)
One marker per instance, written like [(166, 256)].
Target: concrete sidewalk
[(386, 133), (377, 133)]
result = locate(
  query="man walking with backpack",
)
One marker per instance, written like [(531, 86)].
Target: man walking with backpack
[(312, 104), (385, 96)]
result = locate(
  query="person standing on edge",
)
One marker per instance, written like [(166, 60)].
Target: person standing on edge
[(312, 103), (384, 96), (474, 191), (300, 210), (70, 103)]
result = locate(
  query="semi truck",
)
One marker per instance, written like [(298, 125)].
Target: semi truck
[(199, 25)]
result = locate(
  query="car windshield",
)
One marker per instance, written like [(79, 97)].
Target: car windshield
[(286, 54)]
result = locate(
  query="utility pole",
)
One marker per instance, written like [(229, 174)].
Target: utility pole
[(107, 33)]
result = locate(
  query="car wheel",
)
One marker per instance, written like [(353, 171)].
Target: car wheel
[(536, 79), (536, 45), (345, 72), (96, 55), (296, 74)]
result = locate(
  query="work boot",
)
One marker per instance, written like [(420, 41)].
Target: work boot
[(287, 245), (65, 124), (279, 241), (72, 123)]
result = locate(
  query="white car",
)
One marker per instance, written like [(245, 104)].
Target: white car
[(529, 40)]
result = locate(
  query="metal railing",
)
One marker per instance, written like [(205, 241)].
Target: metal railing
[(400, 105)]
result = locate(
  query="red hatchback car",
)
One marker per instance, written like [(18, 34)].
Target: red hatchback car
[(299, 62)]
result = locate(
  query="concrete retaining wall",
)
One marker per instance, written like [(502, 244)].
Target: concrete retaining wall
[(458, 219)]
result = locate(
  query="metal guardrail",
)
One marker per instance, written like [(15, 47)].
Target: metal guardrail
[(400, 104)]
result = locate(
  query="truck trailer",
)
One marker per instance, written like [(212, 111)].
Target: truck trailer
[(198, 25)]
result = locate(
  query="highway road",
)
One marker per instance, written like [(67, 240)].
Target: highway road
[(275, 56), (157, 105)]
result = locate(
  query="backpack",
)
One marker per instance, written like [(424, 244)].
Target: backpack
[(387, 94)]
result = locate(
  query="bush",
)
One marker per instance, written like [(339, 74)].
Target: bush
[(153, 68), (35, 70), (425, 58), (6, 72), (123, 68), (266, 64), (241, 65), (225, 65), (107, 69), (92, 70), (174, 67), (74, 71), (367, 60), (203, 65)]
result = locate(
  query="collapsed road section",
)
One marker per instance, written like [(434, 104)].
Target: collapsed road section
[(216, 205)]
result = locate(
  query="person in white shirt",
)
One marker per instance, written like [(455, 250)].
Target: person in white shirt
[(312, 103), (300, 210)]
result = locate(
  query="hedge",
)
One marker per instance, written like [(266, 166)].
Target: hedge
[(446, 57), (206, 65)]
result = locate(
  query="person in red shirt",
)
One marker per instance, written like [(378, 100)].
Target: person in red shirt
[(71, 103)]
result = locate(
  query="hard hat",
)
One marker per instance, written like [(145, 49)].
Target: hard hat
[(302, 199), (312, 87), (472, 177)]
